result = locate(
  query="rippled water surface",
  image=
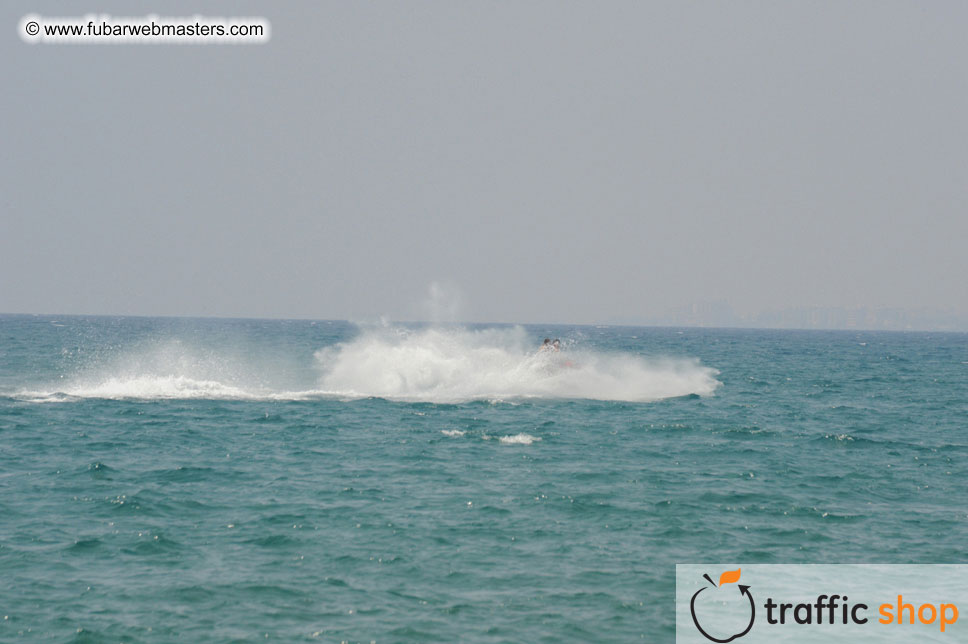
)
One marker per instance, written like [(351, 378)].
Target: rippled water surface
[(239, 480)]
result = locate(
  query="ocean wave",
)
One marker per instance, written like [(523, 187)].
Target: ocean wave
[(519, 439)]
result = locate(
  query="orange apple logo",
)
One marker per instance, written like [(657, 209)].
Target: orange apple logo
[(717, 593)]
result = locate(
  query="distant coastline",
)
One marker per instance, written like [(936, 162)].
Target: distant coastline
[(829, 318)]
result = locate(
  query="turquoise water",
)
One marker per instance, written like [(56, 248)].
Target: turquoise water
[(241, 480)]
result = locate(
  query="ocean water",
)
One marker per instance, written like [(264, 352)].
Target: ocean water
[(245, 480)]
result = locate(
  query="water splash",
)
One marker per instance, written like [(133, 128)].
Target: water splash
[(444, 303), (444, 364), (170, 369), (455, 364)]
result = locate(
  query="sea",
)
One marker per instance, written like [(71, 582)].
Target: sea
[(234, 480)]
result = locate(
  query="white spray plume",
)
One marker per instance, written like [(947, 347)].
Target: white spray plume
[(457, 364), (444, 303)]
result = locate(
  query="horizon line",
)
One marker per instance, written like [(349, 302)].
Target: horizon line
[(174, 316)]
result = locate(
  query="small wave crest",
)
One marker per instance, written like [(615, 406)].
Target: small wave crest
[(448, 365), (519, 439)]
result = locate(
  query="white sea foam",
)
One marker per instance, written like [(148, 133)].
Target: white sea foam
[(159, 388), (154, 386), (519, 439), (437, 364), (451, 364), (166, 370), (453, 433)]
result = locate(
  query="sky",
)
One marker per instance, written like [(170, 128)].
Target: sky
[(573, 162)]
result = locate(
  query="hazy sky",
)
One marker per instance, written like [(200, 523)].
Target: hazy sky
[(550, 161)]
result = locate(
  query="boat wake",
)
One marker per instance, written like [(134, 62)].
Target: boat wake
[(436, 364), (457, 364)]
